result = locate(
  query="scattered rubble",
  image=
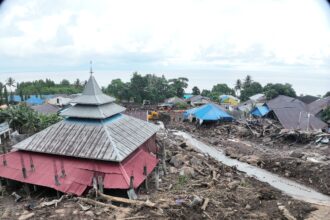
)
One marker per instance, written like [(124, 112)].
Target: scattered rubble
[(300, 155)]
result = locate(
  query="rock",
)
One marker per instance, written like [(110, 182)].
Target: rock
[(75, 212), (266, 140), (26, 216), (90, 213), (233, 185), (177, 160), (187, 171), (296, 154), (251, 159), (196, 201), (60, 211), (248, 207), (195, 162), (172, 170), (228, 174)]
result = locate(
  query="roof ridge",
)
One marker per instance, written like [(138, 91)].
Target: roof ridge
[(108, 133)]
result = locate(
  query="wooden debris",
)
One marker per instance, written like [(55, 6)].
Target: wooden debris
[(53, 202), (205, 203), (126, 201)]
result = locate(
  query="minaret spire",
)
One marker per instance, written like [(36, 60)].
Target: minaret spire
[(91, 68)]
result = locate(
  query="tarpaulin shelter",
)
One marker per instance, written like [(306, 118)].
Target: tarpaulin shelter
[(95, 141), (208, 112), (228, 99), (260, 111), (34, 100)]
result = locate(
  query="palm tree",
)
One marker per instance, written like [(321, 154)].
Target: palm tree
[(77, 83), (10, 83), (248, 81), (1, 96), (238, 86)]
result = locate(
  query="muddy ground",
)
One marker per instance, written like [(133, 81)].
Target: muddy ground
[(306, 162), (195, 187)]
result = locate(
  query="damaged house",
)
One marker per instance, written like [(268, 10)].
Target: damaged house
[(292, 113), (95, 143)]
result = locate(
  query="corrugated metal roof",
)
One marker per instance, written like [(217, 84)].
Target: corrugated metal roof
[(294, 114), (4, 127), (94, 112), (110, 140), (46, 109), (79, 172), (318, 105), (92, 94)]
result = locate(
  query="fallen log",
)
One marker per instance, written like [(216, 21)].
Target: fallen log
[(97, 203), (126, 201)]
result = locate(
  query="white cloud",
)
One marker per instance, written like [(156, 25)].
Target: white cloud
[(196, 32)]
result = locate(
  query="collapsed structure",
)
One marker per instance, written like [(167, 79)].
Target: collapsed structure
[(94, 143), (295, 114)]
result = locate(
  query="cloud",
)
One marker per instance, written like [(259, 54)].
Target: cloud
[(164, 33)]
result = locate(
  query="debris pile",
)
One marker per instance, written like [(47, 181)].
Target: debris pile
[(191, 185)]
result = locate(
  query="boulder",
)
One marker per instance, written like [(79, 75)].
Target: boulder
[(187, 171)]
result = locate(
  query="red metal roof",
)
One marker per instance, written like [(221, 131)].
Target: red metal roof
[(79, 172)]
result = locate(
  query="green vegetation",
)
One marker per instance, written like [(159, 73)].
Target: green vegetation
[(25, 120), (273, 90), (196, 91), (46, 87), (326, 114), (148, 87), (181, 182)]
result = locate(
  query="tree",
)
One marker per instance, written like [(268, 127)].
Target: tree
[(77, 83), (5, 94), (10, 83), (250, 90), (238, 86), (247, 81), (196, 91), (326, 114), (1, 94), (206, 92), (118, 89), (65, 82), (326, 94), (222, 89), (178, 85), (273, 90)]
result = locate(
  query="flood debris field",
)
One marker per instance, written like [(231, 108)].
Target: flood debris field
[(300, 156), (192, 186)]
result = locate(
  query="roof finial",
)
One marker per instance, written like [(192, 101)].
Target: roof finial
[(91, 68)]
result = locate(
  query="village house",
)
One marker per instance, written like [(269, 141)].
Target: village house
[(95, 143)]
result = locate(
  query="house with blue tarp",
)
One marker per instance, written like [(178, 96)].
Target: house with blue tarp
[(15, 98), (260, 111), (208, 113), (34, 100)]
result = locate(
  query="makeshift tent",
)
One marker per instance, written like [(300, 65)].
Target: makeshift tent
[(260, 111), (208, 112), (33, 100), (228, 99)]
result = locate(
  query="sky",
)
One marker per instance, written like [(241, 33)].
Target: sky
[(207, 41)]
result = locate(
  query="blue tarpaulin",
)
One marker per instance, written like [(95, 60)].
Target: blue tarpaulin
[(208, 112), (260, 111), (15, 98), (33, 100)]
